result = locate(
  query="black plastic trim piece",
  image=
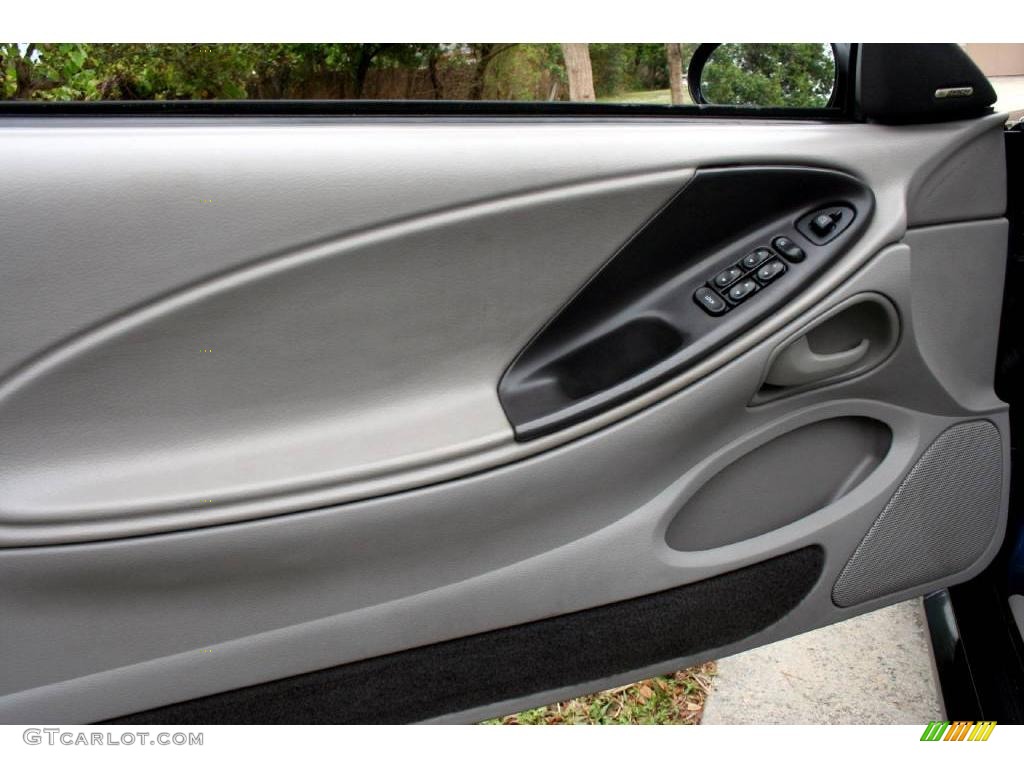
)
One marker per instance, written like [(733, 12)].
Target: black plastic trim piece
[(410, 108), (696, 68), (643, 298), (959, 693), (510, 663), (979, 654), (920, 83)]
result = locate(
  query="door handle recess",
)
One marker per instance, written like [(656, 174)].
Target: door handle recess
[(848, 340), (799, 364), (640, 320)]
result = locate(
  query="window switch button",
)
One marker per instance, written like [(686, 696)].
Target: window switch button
[(741, 290), (755, 257), (728, 276), (770, 271)]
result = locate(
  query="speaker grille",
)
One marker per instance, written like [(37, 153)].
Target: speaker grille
[(939, 521)]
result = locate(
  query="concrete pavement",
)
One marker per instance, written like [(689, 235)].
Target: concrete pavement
[(1009, 95), (875, 668)]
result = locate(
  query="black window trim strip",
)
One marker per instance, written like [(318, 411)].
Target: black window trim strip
[(396, 108)]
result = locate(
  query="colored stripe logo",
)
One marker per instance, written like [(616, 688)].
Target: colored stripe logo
[(960, 730)]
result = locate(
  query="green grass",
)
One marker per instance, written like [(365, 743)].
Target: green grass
[(639, 97), (676, 699)]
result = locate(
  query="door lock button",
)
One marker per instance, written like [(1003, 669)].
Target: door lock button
[(710, 301), (793, 252), (770, 271), (741, 290), (755, 257), (728, 276)]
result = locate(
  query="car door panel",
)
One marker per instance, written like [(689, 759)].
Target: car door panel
[(349, 451), (337, 480)]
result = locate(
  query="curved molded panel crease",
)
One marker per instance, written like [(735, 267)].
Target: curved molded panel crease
[(358, 358)]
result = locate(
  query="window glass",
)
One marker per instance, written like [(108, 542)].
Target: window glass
[(623, 73)]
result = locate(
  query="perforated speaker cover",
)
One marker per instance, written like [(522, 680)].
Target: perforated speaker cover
[(939, 521)]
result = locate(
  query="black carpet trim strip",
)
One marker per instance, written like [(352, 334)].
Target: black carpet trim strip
[(473, 671)]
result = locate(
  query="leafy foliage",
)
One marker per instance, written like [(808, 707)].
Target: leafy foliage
[(769, 74), (789, 75), (194, 71)]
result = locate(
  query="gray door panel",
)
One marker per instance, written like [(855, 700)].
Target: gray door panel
[(360, 322), (340, 366)]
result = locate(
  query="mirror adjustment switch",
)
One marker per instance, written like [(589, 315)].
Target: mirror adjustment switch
[(793, 252), (741, 290), (728, 276), (755, 257), (770, 271), (710, 301), (824, 223)]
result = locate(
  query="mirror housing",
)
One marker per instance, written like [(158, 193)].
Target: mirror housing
[(705, 51)]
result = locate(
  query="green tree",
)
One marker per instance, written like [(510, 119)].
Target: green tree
[(170, 71), (527, 72), (769, 74), (45, 70), (579, 71), (197, 71), (482, 56), (674, 63)]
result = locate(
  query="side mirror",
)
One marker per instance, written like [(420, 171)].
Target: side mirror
[(787, 75)]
